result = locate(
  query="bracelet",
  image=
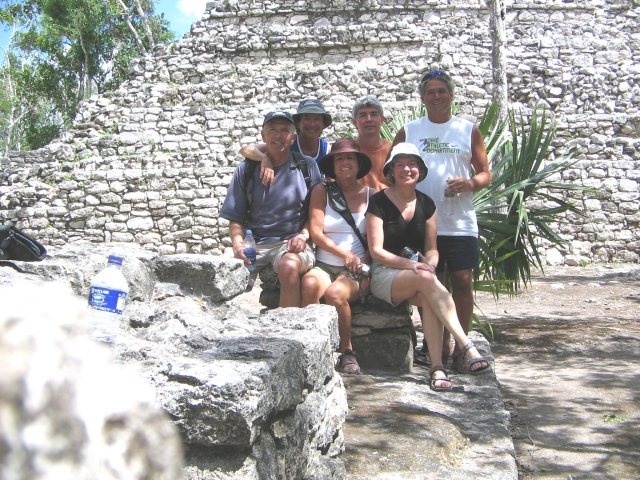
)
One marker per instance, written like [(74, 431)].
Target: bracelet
[(306, 238)]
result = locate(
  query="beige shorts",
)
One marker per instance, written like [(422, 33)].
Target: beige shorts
[(381, 281), (271, 253), (332, 273)]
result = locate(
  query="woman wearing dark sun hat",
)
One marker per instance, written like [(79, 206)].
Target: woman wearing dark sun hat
[(342, 260), (402, 217)]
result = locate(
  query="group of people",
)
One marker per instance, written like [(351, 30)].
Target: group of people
[(377, 221)]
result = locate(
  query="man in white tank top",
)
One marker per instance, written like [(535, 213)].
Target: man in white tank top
[(450, 146)]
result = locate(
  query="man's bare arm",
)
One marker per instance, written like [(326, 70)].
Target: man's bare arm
[(257, 153)]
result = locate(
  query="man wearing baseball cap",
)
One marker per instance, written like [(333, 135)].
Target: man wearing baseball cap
[(276, 214), (310, 120)]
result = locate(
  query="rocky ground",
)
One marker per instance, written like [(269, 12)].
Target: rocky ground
[(567, 359)]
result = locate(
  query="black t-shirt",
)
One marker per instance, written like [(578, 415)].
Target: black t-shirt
[(398, 233)]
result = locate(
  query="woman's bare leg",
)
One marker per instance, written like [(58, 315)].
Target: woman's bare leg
[(408, 283), (313, 286), (339, 294)]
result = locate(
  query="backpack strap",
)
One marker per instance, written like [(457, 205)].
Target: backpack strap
[(301, 163), (250, 167), (339, 204), (248, 180)]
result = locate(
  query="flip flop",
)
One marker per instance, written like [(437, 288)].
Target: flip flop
[(348, 357)]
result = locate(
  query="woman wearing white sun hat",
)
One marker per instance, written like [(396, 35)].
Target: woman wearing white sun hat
[(401, 217)]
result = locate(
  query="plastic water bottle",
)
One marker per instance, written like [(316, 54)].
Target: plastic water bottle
[(250, 249), (449, 200), (107, 295)]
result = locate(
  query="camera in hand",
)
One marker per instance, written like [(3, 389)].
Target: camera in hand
[(364, 270), (410, 254)]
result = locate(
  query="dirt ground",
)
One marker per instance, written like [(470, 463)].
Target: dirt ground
[(567, 355)]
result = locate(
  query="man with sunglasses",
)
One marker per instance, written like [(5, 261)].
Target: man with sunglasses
[(453, 149)]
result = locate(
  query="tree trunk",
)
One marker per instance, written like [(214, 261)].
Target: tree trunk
[(147, 29), (498, 58), (133, 30)]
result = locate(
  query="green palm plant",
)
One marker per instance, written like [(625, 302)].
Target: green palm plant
[(510, 228)]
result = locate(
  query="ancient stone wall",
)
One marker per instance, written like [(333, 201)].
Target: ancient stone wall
[(151, 162)]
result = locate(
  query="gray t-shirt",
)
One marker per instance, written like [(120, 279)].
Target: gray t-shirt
[(277, 212)]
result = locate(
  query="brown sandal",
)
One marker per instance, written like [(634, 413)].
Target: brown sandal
[(463, 364)]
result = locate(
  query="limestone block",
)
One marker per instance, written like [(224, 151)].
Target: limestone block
[(110, 198), (385, 350), (122, 237), (217, 278), (554, 257), (140, 224), (134, 197), (626, 185)]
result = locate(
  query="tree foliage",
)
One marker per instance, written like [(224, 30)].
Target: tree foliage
[(60, 53)]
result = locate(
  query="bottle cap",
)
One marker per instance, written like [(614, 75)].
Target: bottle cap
[(249, 232), (115, 258)]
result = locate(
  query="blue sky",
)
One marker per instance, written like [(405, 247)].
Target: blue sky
[(180, 14)]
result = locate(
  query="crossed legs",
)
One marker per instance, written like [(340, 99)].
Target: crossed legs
[(438, 310)]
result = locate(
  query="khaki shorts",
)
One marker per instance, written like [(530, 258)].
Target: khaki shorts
[(381, 281), (271, 253), (332, 273)]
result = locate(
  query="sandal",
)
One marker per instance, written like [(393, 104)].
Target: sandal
[(432, 381), (421, 355), (463, 364), (348, 357)]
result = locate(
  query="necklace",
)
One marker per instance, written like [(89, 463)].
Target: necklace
[(406, 204)]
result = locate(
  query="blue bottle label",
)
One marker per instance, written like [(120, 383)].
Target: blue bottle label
[(106, 299), (250, 253)]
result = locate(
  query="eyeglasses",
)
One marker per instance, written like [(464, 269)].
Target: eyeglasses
[(430, 75)]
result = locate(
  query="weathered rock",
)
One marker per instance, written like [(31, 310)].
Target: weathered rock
[(214, 277), (67, 410), (264, 386)]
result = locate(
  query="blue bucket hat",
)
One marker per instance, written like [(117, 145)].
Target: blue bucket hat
[(315, 106), (271, 115)]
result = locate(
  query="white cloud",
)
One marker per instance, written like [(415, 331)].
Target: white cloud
[(193, 8)]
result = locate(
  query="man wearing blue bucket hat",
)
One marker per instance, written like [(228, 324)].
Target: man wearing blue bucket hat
[(310, 120)]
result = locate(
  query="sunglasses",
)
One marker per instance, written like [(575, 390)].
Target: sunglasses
[(430, 75)]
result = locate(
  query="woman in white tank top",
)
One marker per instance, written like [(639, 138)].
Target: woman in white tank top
[(340, 272)]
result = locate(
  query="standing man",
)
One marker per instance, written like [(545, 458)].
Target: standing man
[(310, 120), (276, 214), (451, 146), (368, 116)]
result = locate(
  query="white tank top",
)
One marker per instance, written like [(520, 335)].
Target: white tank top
[(338, 230), (446, 149)]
